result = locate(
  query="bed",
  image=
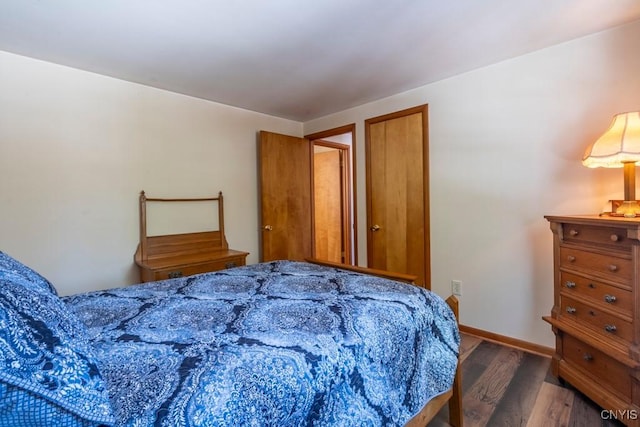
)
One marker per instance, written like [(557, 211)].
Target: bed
[(273, 344)]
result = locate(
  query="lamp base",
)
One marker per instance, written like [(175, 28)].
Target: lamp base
[(627, 209)]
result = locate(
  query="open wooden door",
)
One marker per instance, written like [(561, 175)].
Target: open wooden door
[(285, 197), (328, 192)]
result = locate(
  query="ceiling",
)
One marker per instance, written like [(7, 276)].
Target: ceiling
[(295, 59)]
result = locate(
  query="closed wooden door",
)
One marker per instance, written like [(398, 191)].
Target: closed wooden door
[(397, 193), (285, 197)]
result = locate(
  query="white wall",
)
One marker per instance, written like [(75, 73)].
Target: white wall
[(505, 145), (505, 148), (76, 148)]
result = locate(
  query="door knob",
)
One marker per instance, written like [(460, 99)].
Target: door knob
[(268, 227), (375, 227)]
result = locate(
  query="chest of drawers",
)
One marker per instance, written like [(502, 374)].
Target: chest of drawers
[(596, 308)]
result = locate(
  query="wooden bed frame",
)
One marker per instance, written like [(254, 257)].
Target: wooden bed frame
[(454, 395)]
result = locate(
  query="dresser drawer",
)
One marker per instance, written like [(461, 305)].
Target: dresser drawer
[(618, 269), (188, 270), (592, 317), (607, 372), (601, 293), (597, 236)]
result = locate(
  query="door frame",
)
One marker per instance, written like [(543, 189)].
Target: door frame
[(350, 213), (424, 110), (344, 152)]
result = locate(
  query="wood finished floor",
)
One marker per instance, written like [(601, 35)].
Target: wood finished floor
[(503, 386)]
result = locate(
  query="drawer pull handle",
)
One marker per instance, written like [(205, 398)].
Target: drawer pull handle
[(571, 310), (610, 328), (230, 264), (610, 298), (175, 274), (570, 284), (587, 357), (571, 258), (613, 267), (574, 232), (614, 237)]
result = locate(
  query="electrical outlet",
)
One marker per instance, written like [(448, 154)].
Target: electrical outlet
[(456, 287)]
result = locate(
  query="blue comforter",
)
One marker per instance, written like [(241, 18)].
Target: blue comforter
[(273, 344)]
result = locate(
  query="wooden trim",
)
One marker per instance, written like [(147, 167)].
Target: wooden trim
[(143, 225), (401, 277), (204, 199), (509, 341), (347, 220), (330, 144), (221, 219), (332, 132), (312, 196), (456, 415), (631, 224), (397, 114)]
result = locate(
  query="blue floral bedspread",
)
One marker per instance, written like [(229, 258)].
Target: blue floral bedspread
[(273, 344)]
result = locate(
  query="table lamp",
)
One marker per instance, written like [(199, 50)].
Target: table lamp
[(619, 147)]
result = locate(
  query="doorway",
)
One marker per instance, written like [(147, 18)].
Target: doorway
[(333, 171), (290, 201), (330, 202)]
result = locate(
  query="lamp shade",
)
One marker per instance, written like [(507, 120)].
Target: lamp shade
[(620, 144)]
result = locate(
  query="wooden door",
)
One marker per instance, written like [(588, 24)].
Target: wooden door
[(328, 201), (397, 193), (343, 140), (285, 197)]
